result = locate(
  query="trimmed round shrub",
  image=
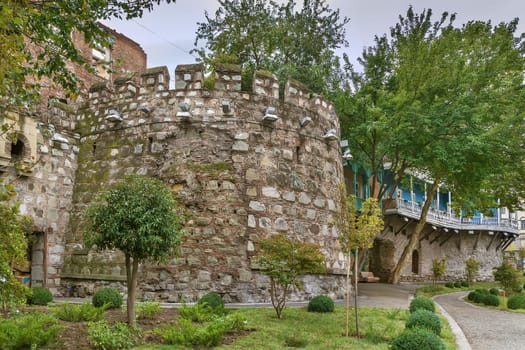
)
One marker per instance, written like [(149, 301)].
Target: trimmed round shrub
[(482, 291), (417, 339), (40, 296), (464, 284), (494, 291), (212, 299), (109, 296), (422, 303), (516, 302), (491, 300), (424, 319), (457, 284), (449, 284), (321, 303), (473, 296)]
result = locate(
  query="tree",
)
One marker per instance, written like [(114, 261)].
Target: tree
[(445, 103), (13, 247), (357, 229), (284, 261), (521, 256), (507, 276), (47, 27), (439, 266), (472, 268), (267, 35), (138, 216)]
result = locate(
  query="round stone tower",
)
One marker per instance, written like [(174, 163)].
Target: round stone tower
[(243, 165)]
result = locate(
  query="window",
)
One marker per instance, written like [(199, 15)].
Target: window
[(17, 150), (522, 224)]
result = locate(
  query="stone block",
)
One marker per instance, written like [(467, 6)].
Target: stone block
[(257, 206), (270, 192)]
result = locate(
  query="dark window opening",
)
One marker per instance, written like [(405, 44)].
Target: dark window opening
[(415, 262), (17, 150), (298, 153), (94, 148)]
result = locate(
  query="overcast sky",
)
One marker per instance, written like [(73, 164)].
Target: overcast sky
[(167, 34)]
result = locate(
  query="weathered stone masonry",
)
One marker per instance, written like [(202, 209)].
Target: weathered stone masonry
[(239, 178)]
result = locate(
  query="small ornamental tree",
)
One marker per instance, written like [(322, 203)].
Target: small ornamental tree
[(507, 276), (521, 255), (138, 216), (285, 260), (357, 229), (439, 266), (471, 268)]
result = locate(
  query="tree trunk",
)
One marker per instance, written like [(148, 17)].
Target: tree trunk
[(132, 288), (414, 237), (347, 296), (355, 295)]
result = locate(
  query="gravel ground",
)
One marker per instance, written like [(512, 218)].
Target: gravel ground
[(485, 329)]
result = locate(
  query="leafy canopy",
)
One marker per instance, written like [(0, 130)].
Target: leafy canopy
[(445, 100), (36, 42), (137, 216), (285, 260), (297, 43)]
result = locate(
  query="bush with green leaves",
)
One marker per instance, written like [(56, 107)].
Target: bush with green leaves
[(422, 303), (79, 312), (424, 319), (474, 296), (494, 291), (147, 309), (471, 268), (457, 284), (200, 312), (508, 277), (109, 296), (29, 331), (490, 299), (417, 339), (516, 302), (465, 284), (321, 303), (118, 336), (449, 284), (212, 299), (40, 296), (439, 267), (188, 333)]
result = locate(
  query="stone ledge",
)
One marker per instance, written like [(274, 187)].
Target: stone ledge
[(93, 277)]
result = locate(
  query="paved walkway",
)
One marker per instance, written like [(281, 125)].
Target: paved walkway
[(485, 329)]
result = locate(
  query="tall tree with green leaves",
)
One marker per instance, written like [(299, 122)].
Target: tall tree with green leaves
[(357, 230), (138, 216), (284, 261), (36, 43), (447, 103), (297, 43)]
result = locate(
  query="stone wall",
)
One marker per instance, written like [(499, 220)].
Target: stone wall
[(239, 177), (43, 176), (455, 247)]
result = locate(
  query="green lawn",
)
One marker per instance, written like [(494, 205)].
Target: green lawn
[(321, 331), (431, 290)]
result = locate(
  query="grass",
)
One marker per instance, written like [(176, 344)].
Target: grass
[(431, 290), (321, 331)]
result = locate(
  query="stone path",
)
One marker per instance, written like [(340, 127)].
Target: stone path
[(485, 329)]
